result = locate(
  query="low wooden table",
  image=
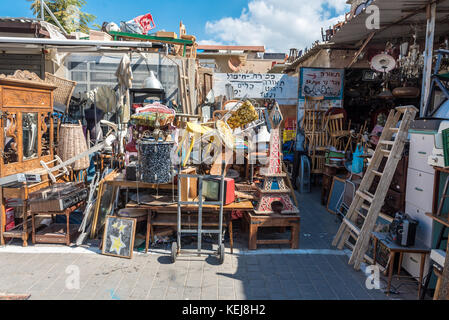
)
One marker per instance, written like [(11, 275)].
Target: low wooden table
[(274, 220), (55, 232), (167, 216), (395, 248)]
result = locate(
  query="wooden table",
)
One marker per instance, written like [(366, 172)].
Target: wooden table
[(52, 233), (117, 180), (274, 220), (18, 191), (395, 248)]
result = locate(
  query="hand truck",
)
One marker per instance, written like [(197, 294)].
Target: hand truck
[(176, 246)]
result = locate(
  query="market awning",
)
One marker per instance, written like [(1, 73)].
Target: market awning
[(396, 19)]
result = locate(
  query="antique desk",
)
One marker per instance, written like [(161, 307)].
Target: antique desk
[(274, 220), (394, 249)]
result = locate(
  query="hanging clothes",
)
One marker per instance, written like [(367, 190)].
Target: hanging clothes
[(124, 75)]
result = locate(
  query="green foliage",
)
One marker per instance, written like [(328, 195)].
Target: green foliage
[(68, 13)]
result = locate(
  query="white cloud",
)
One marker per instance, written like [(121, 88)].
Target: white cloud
[(209, 42), (278, 24)]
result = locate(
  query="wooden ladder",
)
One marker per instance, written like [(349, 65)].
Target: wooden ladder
[(186, 86), (372, 203)]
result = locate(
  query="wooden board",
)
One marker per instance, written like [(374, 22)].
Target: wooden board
[(118, 237), (167, 34)]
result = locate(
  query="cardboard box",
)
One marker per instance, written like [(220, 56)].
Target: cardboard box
[(167, 34), (99, 36), (189, 186)]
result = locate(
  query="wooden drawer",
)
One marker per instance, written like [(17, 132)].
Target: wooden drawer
[(399, 183), (421, 146), (420, 189), (394, 202), (411, 263)]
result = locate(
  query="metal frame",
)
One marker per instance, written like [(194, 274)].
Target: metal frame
[(200, 231)]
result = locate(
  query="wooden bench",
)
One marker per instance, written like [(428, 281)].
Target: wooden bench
[(256, 221)]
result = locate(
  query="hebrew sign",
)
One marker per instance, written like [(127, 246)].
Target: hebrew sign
[(281, 87), (317, 82)]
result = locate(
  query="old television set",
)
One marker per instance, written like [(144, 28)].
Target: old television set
[(211, 190)]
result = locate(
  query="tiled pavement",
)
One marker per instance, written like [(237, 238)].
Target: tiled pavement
[(312, 274)]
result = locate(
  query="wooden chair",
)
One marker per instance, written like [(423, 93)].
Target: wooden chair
[(314, 115), (314, 124), (339, 136)]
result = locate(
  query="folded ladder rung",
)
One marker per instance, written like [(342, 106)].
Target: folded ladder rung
[(385, 152), (361, 214), (369, 194), (352, 226), (394, 129), (386, 142), (377, 173), (364, 196)]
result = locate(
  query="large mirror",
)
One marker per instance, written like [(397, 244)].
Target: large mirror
[(30, 135), (10, 143)]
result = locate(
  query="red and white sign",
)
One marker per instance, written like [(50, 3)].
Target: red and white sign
[(146, 22)]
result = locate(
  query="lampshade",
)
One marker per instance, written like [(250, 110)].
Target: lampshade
[(152, 82)]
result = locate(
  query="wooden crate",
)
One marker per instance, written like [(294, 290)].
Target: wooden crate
[(99, 36), (167, 34)]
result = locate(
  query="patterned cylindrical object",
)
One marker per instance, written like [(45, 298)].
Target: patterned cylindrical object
[(71, 143), (154, 161)]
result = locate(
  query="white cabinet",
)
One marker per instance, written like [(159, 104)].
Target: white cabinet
[(421, 146), (420, 189), (419, 195)]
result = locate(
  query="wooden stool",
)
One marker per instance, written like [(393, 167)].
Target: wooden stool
[(255, 222)]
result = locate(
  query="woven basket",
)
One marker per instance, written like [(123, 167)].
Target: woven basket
[(64, 89), (71, 143)]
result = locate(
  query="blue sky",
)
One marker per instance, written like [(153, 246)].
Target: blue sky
[(277, 24), (166, 14)]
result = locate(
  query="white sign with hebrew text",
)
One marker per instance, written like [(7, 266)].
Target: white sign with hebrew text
[(281, 87)]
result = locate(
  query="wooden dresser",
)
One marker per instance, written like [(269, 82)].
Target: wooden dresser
[(26, 138)]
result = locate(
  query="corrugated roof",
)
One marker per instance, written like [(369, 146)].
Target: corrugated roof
[(392, 12), (235, 48), (20, 19)]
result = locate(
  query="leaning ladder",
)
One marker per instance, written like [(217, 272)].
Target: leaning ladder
[(392, 149)]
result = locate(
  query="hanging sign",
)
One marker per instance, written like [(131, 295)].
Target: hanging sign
[(317, 82), (281, 87)]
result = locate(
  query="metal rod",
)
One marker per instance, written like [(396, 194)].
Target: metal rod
[(88, 43), (428, 55), (42, 10), (200, 213), (179, 214), (54, 18)]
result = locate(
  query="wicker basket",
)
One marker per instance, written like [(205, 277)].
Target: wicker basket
[(71, 143), (64, 89)]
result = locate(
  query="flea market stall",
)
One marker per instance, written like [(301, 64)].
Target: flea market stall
[(371, 113), (125, 150)]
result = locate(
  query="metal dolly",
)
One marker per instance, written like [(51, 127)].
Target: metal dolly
[(176, 246)]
